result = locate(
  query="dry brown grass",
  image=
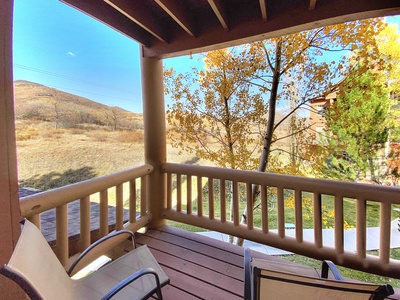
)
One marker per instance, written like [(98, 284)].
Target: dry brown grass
[(48, 157), (130, 137)]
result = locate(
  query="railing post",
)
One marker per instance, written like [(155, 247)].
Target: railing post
[(154, 134), (9, 213)]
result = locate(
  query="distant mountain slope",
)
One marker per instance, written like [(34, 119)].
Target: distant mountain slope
[(28, 92), (36, 101)]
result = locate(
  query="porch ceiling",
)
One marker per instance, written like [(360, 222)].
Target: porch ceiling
[(168, 28)]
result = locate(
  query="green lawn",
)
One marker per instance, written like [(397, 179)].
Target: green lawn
[(349, 207), (350, 273)]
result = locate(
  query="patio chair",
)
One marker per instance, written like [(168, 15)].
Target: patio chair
[(268, 280), (34, 266)]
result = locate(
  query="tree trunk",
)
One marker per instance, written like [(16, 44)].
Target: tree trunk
[(270, 127)]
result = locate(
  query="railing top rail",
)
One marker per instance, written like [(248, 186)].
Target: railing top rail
[(40, 202), (380, 193)]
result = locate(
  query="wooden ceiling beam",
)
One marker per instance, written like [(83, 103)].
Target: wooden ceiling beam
[(150, 20), (179, 14), (104, 13), (220, 11), (263, 7), (135, 11)]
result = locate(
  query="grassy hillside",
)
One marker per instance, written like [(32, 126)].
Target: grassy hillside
[(38, 102), (63, 138)]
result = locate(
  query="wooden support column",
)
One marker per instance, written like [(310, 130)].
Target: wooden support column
[(155, 144), (9, 203)]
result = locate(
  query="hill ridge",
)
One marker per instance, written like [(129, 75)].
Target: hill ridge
[(37, 101)]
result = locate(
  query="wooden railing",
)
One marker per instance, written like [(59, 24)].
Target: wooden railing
[(124, 185), (198, 196)]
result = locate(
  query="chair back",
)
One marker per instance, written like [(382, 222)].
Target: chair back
[(35, 267), (279, 285), (266, 283)]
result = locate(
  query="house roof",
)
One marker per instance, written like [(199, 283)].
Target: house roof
[(168, 28)]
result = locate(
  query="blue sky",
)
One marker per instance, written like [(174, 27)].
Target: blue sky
[(60, 47)]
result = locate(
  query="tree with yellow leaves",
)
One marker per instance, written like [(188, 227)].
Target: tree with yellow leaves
[(220, 120), (389, 46), (224, 112), (299, 58)]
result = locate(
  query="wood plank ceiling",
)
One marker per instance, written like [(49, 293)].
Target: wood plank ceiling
[(168, 28)]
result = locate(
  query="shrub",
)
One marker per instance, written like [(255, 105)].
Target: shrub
[(130, 137), (99, 136), (77, 131)]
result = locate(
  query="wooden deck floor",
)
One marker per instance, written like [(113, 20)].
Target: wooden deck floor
[(203, 268), (199, 267)]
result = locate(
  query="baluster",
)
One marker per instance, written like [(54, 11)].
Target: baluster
[(317, 203), (199, 196), (298, 211), (211, 198), (132, 201), (85, 223), (385, 229), (143, 196), (222, 192), (119, 207), (178, 192), (361, 227), (169, 191), (339, 234), (235, 200), (264, 208), (103, 213), (189, 194), (281, 212), (250, 206), (35, 219), (62, 233)]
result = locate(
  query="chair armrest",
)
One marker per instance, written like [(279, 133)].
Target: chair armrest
[(99, 248), (132, 278), (247, 274), (328, 265)]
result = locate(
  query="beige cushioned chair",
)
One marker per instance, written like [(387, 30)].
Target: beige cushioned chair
[(34, 266), (270, 281)]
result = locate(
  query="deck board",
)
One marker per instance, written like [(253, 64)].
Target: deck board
[(195, 267), (204, 268), (199, 267), (196, 257)]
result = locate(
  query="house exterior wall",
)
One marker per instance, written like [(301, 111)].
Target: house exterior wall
[(317, 119), (317, 114)]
